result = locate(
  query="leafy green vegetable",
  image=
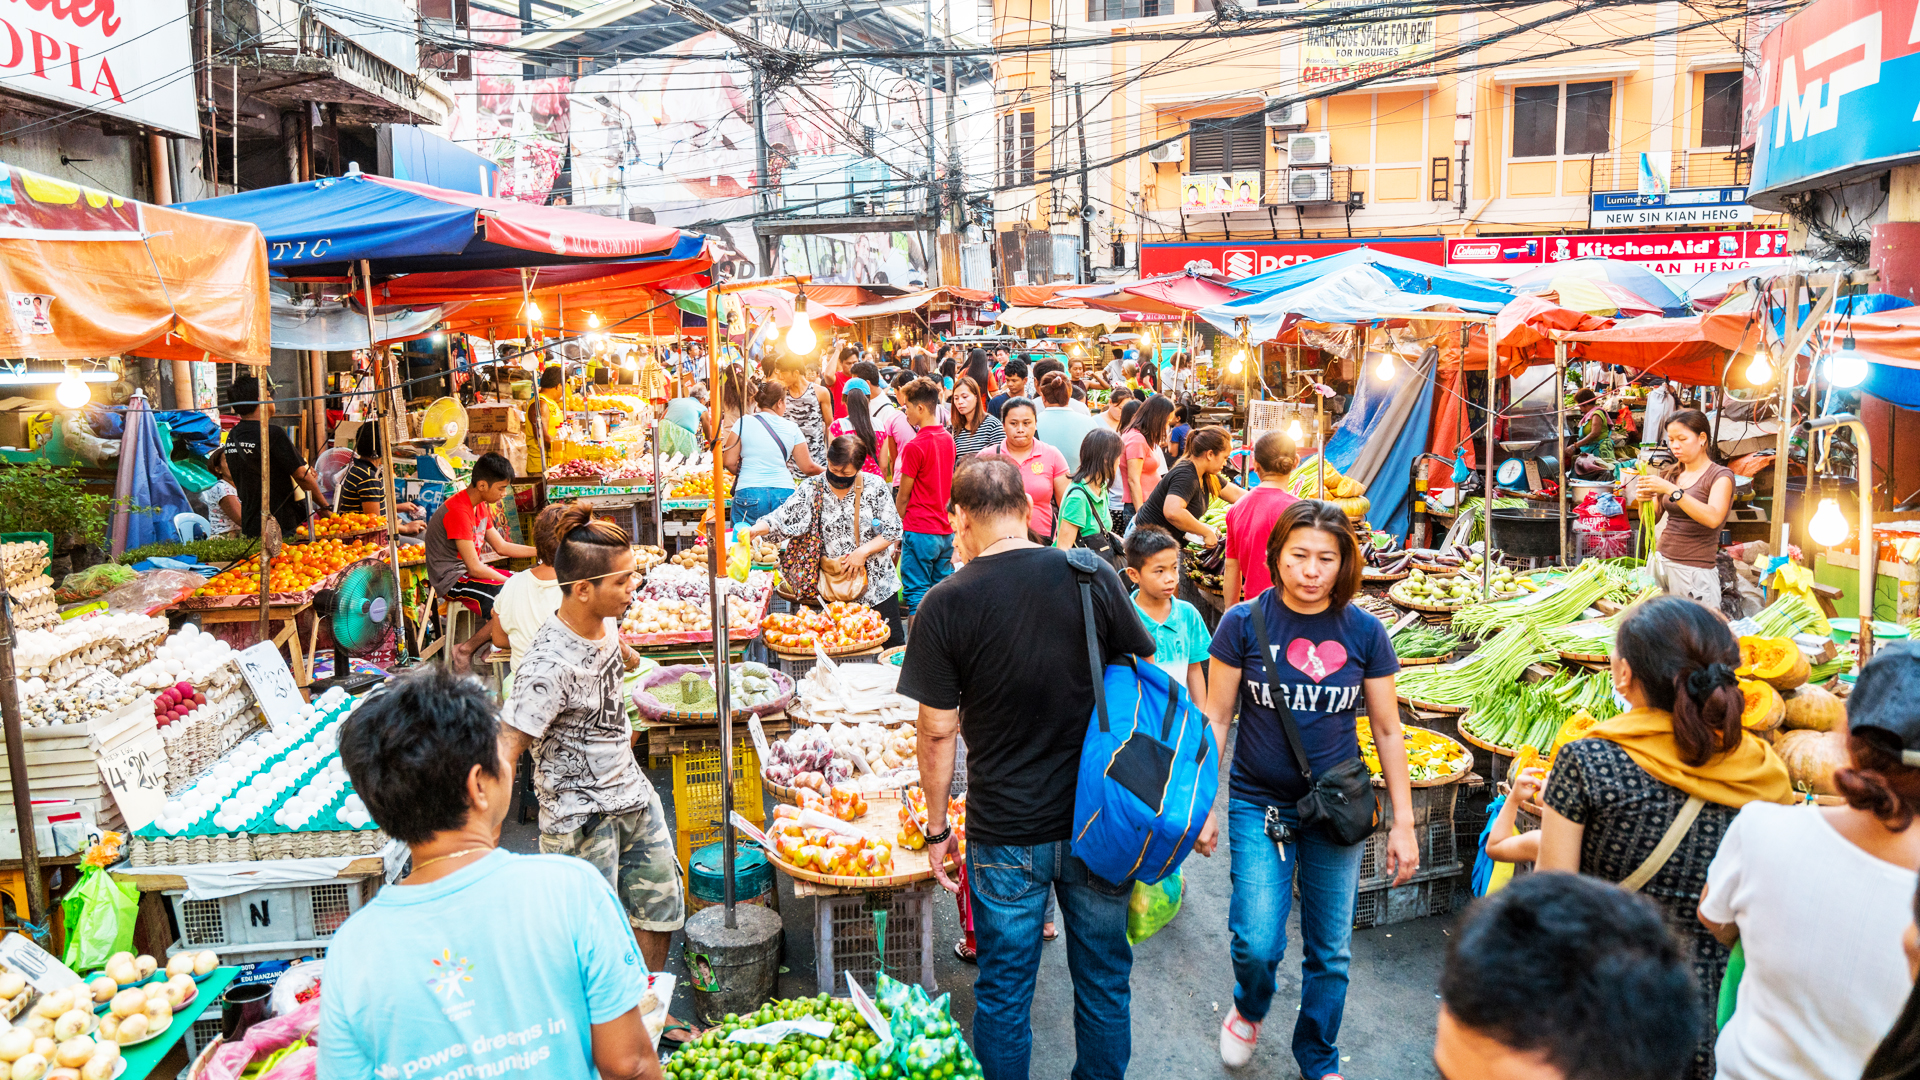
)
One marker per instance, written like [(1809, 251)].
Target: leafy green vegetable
[(216, 549)]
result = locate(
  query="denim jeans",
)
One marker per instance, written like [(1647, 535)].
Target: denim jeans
[(926, 559), (1010, 887), (752, 504), (1328, 875)]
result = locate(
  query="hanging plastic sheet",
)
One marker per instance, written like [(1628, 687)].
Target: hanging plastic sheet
[(1375, 444), (335, 325), (145, 485)]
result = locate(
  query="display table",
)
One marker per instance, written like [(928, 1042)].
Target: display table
[(288, 634), (142, 1059)]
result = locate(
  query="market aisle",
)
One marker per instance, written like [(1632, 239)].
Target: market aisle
[(1180, 975)]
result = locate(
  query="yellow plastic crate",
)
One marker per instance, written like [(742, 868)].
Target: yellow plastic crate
[(696, 795)]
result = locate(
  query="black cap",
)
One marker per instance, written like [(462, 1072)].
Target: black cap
[(1883, 706)]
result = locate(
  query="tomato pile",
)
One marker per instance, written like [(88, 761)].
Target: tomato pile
[(840, 626), (297, 568), (343, 524), (826, 852), (915, 811)]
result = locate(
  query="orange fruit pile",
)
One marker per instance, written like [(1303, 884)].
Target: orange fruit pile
[(342, 524), (296, 569)]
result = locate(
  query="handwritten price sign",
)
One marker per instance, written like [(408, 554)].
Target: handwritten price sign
[(136, 773), (272, 682)]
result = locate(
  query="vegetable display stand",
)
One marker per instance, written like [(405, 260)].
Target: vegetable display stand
[(868, 931), (796, 665), (696, 795), (285, 617)]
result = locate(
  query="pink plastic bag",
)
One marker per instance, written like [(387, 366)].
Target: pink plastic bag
[(262, 1039)]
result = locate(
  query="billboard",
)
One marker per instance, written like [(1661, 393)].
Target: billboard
[(1203, 193), (1686, 206), (1364, 46), (519, 124), (122, 60), (1662, 253), (1834, 89), (1236, 259)]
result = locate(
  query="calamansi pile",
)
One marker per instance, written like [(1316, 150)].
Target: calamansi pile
[(700, 486), (344, 524), (1430, 755), (296, 569)]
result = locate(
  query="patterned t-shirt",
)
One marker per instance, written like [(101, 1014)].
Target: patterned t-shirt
[(566, 694)]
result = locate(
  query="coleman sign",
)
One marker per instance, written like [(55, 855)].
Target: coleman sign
[(1236, 259), (1662, 253)]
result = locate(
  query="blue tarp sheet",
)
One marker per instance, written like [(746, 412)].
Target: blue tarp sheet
[(152, 491), (1373, 403), (1410, 275), (1357, 292)]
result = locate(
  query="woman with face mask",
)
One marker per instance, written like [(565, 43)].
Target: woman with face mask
[(828, 502)]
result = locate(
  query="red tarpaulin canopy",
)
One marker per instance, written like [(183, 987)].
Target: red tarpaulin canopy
[(458, 285), (1167, 294), (1693, 350)]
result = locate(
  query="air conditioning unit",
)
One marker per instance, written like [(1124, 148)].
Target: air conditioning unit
[(1292, 115), (1170, 154), (1309, 185), (1310, 148)]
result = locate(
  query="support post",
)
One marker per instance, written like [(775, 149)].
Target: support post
[(1783, 371), (389, 504), (17, 765), (264, 458), (1493, 400), (1868, 551), (716, 564), (1086, 210), (1560, 436)]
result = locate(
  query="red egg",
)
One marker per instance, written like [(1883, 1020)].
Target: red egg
[(199, 698), (182, 688)]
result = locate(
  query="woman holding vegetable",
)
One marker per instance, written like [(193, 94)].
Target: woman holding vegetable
[(1644, 798), (1180, 499), (1327, 660), (1694, 498)]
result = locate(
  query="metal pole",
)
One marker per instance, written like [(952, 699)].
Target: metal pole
[(1086, 211), (1783, 371), (17, 763), (1869, 552), (1560, 436), (933, 155), (1486, 563), (390, 505), (263, 458), (715, 561), (659, 489)]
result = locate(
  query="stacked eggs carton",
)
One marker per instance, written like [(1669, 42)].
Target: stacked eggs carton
[(60, 655), (24, 565), (212, 707)]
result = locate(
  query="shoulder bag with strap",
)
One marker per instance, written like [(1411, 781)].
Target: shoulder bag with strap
[(1669, 843), (851, 585), (1341, 802), (800, 560), (777, 440), (1101, 541)]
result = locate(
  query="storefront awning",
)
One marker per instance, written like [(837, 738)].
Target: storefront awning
[(1024, 318)]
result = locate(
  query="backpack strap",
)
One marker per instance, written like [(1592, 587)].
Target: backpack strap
[(1085, 564), (1280, 706)]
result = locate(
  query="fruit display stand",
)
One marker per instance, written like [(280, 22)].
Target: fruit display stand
[(143, 1058)]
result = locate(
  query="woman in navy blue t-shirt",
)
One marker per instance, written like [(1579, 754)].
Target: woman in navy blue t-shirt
[(1332, 661)]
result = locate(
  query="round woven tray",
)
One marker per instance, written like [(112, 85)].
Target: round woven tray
[(1586, 658), (850, 650), (1426, 608), (1482, 743), (881, 820), (1453, 778), (1424, 661), (1371, 576), (1428, 706), (894, 655), (682, 716)]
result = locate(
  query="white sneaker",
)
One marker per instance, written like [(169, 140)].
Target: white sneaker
[(1238, 1036)]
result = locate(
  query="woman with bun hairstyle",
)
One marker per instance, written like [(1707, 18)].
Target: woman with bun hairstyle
[(1822, 988), (1644, 799)]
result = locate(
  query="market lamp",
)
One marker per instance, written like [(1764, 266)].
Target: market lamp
[(1384, 369), (72, 393), (1760, 371), (629, 362), (531, 313), (1828, 526), (1294, 432), (800, 337), (1847, 367), (1236, 362), (593, 321)]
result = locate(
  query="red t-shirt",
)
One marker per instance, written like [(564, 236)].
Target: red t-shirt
[(839, 404), (928, 459), (1249, 522)]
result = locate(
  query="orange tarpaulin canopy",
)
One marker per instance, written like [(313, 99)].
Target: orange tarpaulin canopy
[(1692, 350), (91, 274), (1042, 296)]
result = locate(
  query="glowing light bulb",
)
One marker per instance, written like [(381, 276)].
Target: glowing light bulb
[(593, 321), (531, 312), (1384, 369), (72, 393), (1294, 432), (1761, 370), (1847, 367), (1828, 526), (800, 337), (629, 363), (1235, 363)]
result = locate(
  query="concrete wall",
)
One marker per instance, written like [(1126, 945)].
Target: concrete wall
[(114, 163)]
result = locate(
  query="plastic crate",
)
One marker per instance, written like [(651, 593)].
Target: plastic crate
[(1439, 853), (1429, 803), (696, 796), (294, 920), (847, 937), (1438, 895)]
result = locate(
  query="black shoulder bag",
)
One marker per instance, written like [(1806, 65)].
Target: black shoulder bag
[(1341, 803), (1101, 541)]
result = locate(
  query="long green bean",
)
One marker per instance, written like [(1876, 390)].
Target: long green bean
[(1420, 642), (1786, 616), (1501, 660), (1560, 603)]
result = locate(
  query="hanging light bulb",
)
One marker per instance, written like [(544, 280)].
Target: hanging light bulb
[(1760, 372), (1384, 369), (800, 337), (531, 312), (1828, 525), (72, 393), (593, 321), (1848, 366), (1235, 362), (1294, 432), (628, 362)]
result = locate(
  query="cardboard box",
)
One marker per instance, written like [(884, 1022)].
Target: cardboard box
[(16, 419), (513, 447), (494, 418)]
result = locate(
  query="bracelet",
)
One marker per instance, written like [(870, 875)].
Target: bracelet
[(942, 835)]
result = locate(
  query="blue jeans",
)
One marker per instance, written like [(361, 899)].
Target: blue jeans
[(1263, 881), (752, 504), (926, 559), (1010, 887)]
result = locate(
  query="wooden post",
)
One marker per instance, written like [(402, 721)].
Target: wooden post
[(1783, 371), (389, 505), (1560, 435)]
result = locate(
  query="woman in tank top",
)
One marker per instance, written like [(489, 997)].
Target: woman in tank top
[(1695, 503)]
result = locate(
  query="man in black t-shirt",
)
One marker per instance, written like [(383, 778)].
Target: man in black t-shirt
[(285, 466), (998, 653)]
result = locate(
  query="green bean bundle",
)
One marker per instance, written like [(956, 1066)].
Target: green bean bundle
[(1558, 604), (1499, 661)]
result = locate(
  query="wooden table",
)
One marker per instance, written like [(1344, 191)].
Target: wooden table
[(288, 634)]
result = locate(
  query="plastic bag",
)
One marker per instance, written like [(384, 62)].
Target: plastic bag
[(261, 1040), (100, 913), (832, 1069), (1798, 580), (94, 581), (1153, 906), (155, 589), (922, 1037)]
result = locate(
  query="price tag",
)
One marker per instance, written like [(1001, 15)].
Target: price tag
[(136, 773), (267, 673), (36, 964)]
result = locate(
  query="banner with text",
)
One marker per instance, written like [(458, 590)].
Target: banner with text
[(1361, 47), (1687, 206), (1244, 258), (1662, 253), (123, 60)]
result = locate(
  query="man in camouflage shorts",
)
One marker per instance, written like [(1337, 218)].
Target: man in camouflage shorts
[(595, 802)]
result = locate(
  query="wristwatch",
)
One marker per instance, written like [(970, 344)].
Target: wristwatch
[(1675, 496)]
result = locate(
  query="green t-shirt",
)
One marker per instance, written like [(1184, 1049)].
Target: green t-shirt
[(1181, 640), (1080, 506)]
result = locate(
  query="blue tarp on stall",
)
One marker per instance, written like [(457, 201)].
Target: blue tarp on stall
[(1357, 292), (1402, 408), (1410, 275)]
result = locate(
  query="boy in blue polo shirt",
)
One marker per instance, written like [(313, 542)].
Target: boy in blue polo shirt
[(1180, 637)]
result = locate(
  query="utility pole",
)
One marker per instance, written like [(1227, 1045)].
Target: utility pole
[(763, 187), (956, 209), (1086, 204), (933, 159)]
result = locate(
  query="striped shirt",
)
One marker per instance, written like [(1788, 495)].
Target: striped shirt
[(989, 433)]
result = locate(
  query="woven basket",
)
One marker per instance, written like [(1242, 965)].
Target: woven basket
[(850, 650), (1482, 743)]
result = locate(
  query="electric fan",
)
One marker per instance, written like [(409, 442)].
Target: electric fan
[(446, 421), (330, 468), (361, 612)]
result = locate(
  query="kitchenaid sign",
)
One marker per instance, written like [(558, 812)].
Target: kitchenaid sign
[(1662, 253), (127, 59)]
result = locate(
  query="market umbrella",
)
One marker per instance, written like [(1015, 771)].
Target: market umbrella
[(1633, 277), (1357, 292), (1180, 294), (1598, 297), (146, 495), (1407, 275)]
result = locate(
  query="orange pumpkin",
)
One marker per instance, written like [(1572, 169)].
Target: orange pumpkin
[(1778, 661), (1764, 708)]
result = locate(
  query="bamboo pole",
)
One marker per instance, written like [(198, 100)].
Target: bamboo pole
[(390, 505)]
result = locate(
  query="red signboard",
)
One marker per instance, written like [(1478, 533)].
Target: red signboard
[(1244, 258), (1662, 253)]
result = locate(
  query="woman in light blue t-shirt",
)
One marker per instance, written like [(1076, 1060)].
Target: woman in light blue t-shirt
[(764, 443)]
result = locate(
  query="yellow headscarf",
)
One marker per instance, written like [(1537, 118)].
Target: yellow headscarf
[(1750, 772)]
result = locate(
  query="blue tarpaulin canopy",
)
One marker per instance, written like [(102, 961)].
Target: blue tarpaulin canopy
[(1358, 291), (320, 228), (1409, 275)]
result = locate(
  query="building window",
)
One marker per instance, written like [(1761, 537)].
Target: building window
[(1720, 109), (1016, 147), (1111, 10), (1537, 115), (1236, 145)]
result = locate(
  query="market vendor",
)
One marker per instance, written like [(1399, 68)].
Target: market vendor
[(520, 963), (1694, 496), (595, 802), (363, 490), (1595, 439), (857, 524), (1180, 499), (285, 467), (454, 535)]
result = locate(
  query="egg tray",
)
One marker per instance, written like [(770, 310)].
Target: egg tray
[(263, 821), (206, 741)]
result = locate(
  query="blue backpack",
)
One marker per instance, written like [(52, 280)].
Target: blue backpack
[(1148, 769)]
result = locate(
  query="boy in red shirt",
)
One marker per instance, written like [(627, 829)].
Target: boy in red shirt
[(1250, 520), (926, 480)]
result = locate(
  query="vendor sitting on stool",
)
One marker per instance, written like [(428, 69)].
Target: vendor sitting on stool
[(363, 491), (454, 536), (1591, 453)]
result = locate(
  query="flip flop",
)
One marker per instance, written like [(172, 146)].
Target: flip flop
[(1049, 935), (965, 955), (680, 1027)]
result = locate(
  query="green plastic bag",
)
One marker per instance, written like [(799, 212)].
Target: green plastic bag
[(1153, 906), (100, 914)]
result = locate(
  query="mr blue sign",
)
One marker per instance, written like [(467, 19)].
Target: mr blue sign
[(1684, 206)]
